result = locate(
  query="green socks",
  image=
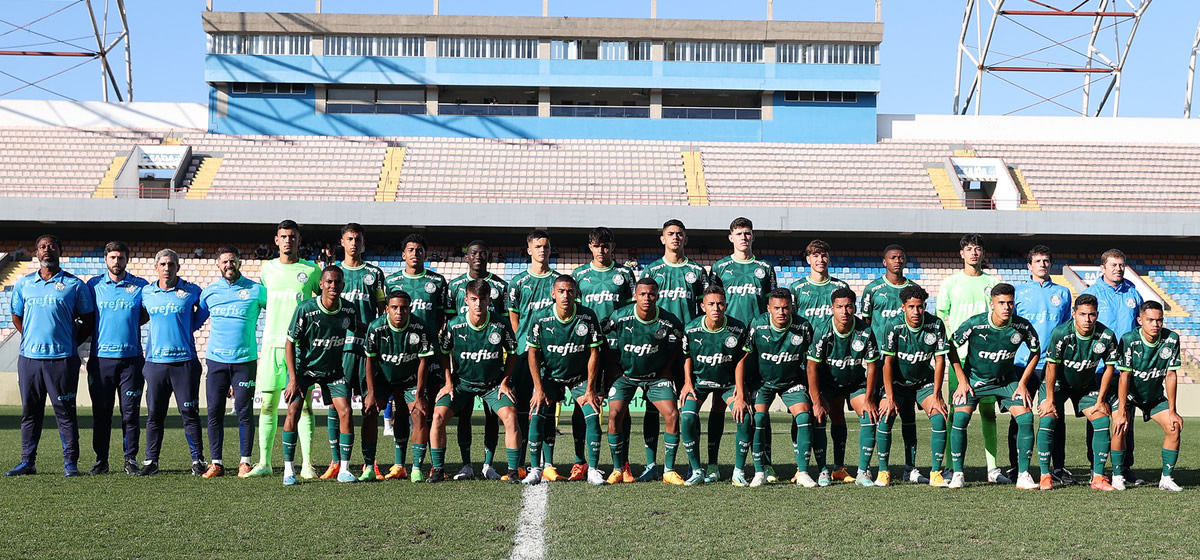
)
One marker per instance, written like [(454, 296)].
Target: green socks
[(689, 427), (761, 426), (437, 455), (536, 436), (937, 440), (514, 458), (958, 439), (745, 434), (866, 442), (463, 437), (1101, 442), (549, 436), (803, 424), (987, 422), (650, 431), (418, 450), (671, 445), (591, 421), (716, 429), (1170, 457), (491, 436), (908, 429), (820, 444), (578, 433), (332, 424), (1025, 441), (1118, 461), (268, 424), (1045, 440), (614, 448), (345, 446), (304, 428), (289, 446), (368, 451), (838, 433), (883, 441)]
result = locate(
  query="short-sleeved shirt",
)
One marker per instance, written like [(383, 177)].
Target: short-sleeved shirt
[(287, 285), (604, 290), (319, 335), (1117, 307), (1078, 357), (991, 349), (428, 290), (364, 290), (175, 316), (1148, 364), (118, 316), (747, 285), (813, 302), (564, 346), (780, 352), (233, 310), (680, 286), (962, 297), (714, 353), (915, 349), (843, 358), (477, 354), (456, 295), (398, 351), (1046, 305), (643, 348), (531, 298), (48, 309), (881, 305)]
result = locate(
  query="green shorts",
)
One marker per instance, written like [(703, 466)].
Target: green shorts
[(354, 367), (908, 395), (654, 390), (272, 372), (791, 395), (1081, 399), (1002, 391), (332, 387), (723, 393), (1148, 409), (385, 389), (557, 391), (463, 400)]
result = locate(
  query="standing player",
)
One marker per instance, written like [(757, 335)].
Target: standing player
[(564, 359), (992, 339), (1076, 349), (1149, 360), (363, 289), (914, 364), (647, 340), (398, 352), (478, 357), (45, 306), (681, 284), (882, 308), (529, 299), (843, 367), (315, 343), (747, 282), (963, 295), (233, 303), (1046, 305), (173, 305), (289, 280), (478, 257), (115, 364)]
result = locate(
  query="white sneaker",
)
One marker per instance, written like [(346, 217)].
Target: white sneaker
[(1168, 483), (914, 476), (760, 478), (1025, 481), (996, 476), (957, 480), (389, 427), (1118, 482), (533, 477), (803, 479), (596, 477), (490, 474), (465, 473)]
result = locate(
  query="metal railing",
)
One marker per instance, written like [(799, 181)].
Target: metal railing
[(714, 113), (602, 111), (487, 110)]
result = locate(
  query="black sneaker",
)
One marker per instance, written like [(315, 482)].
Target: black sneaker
[(132, 467), (198, 468), (1131, 478), (150, 469), (101, 467), (1062, 476), (514, 477), (436, 475)]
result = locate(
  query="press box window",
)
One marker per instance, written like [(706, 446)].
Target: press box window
[(821, 96), (284, 89)]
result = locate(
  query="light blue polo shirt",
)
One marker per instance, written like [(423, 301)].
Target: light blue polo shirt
[(1118, 306), (1046, 305), (118, 316), (233, 309), (48, 309), (174, 318)]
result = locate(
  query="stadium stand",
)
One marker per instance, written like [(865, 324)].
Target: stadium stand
[(62, 162)]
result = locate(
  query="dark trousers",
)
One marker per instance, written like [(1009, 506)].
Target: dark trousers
[(120, 378), (58, 379), (182, 379), (221, 377)]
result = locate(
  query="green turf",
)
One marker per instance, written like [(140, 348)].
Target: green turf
[(119, 516)]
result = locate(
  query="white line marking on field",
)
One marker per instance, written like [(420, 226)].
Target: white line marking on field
[(530, 542)]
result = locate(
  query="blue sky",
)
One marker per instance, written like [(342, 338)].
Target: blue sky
[(918, 53)]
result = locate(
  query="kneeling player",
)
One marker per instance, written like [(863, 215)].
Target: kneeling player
[(1149, 360), (313, 354), (398, 352), (564, 358), (993, 339), (843, 366), (476, 345), (914, 362), (1074, 351), (712, 348)]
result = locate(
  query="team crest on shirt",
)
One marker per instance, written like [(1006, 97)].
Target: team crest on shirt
[(369, 279), (494, 338), (1165, 353), (731, 342), (302, 277), (1015, 338), (181, 294), (690, 277), (130, 288), (930, 338), (414, 338), (760, 273), (60, 286), (581, 330), (796, 340), (1055, 299), (495, 293), (857, 345), (987, 291), (243, 294), (1099, 348), (430, 287), (1130, 303), (345, 322), (618, 279), (660, 334)]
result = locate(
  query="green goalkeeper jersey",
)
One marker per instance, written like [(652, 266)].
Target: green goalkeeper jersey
[(287, 285)]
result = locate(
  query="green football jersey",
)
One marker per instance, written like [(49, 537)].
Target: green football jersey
[(714, 353), (287, 285), (604, 290), (477, 353), (962, 297), (812, 300), (1148, 364), (643, 348), (399, 350), (319, 335), (747, 285), (680, 286), (1078, 357), (530, 297), (881, 305), (364, 290), (564, 346), (780, 352), (843, 358), (914, 349), (457, 295), (992, 349), (428, 292)]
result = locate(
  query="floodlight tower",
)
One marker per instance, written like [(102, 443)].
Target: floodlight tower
[(1191, 79), (1056, 48)]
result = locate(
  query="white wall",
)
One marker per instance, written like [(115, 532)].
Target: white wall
[(97, 114), (971, 128)]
